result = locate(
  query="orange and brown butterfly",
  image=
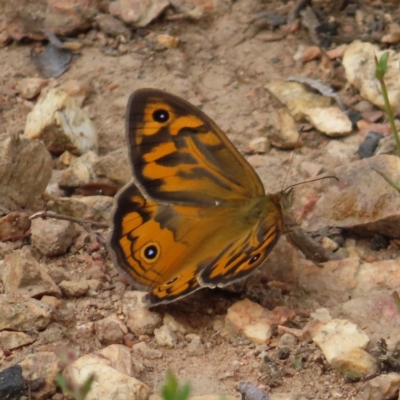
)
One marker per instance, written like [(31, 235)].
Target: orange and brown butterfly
[(195, 213)]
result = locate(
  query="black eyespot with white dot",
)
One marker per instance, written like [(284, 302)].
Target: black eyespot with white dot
[(161, 116), (150, 252), (254, 258)]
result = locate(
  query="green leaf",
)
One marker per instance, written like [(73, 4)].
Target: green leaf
[(381, 66), (62, 382), (171, 389), (87, 385)]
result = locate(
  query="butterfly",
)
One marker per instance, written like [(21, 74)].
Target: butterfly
[(195, 213)]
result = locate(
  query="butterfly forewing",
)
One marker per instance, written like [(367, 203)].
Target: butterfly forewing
[(179, 155)]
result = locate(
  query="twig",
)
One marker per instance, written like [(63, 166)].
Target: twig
[(16, 237), (86, 224), (310, 248), (80, 221)]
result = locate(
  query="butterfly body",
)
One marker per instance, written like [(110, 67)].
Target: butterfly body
[(195, 214)]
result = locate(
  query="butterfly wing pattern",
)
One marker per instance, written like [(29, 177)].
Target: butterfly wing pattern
[(195, 213)]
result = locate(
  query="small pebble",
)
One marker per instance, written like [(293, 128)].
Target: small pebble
[(369, 145)]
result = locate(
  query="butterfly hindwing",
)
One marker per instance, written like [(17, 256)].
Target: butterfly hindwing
[(239, 259)]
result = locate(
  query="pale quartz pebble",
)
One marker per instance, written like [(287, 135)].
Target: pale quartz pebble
[(343, 344), (259, 145), (61, 124), (29, 88), (296, 97), (138, 318), (359, 65), (285, 135), (330, 120), (329, 244), (168, 41), (78, 90), (113, 369)]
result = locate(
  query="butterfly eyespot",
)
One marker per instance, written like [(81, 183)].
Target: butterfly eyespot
[(161, 116), (150, 252), (254, 259)]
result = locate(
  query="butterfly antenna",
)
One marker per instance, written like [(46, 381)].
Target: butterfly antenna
[(291, 160), (311, 180)]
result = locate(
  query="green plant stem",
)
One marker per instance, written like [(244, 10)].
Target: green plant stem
[(390, 114), (387, 179)]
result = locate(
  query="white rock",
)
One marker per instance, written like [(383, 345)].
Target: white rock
[(329, 244), (173, 324), (339, 335), (61, 124), (80, 172), (342, 343), (29, 88), (330, 120), (168, 41), (355, 363), (259, 145), (138, 318), (359, 64), (253, 321), (78, 90), (164, 336), (67, 158), (284, 134), (321, 314), (112, 368), (296, 97), (383, 387)]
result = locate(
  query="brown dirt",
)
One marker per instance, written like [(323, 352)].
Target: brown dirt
[(214, 67)]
